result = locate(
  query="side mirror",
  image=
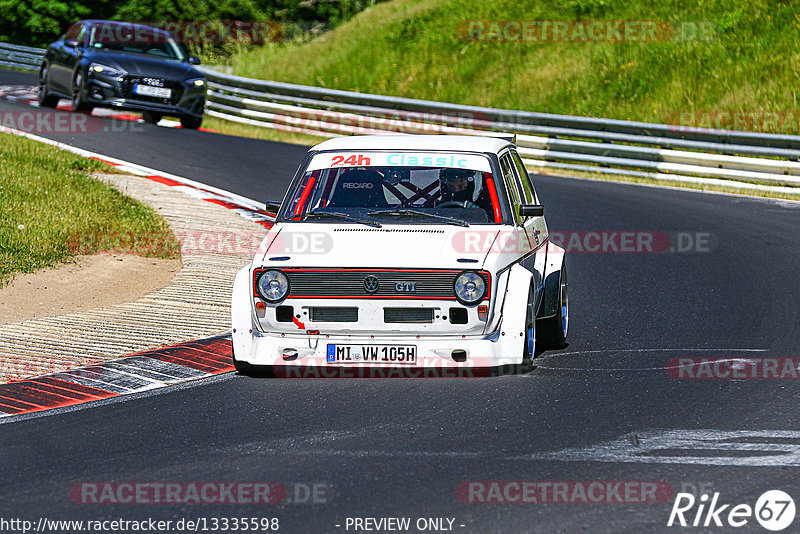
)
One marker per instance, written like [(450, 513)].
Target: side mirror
[(272, 205), (71, 43), (531, 210), (193, 60)]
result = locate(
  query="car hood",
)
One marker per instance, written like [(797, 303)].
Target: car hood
[(392, 246), (142, 65)]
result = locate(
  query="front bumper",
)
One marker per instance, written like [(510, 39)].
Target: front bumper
[(267, 350), (115, 93), (503, 346)]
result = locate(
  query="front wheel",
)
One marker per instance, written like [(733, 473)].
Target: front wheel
[(79, 102), (151, 117), (553, 330), (46, 100), (243, 368), (191, 123)]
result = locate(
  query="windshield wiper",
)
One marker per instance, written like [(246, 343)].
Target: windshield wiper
[(415, 213), (337, 215)]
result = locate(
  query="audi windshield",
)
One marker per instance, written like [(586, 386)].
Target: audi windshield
[(134, 40)]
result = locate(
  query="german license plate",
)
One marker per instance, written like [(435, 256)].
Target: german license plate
[(378, 354), (149, 90)]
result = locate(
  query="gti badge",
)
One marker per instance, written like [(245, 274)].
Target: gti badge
[(371, 284), (406, 287)]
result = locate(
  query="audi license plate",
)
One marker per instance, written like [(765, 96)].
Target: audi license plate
[(380, 354), (149, 90)]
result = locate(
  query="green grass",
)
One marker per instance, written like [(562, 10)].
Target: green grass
[(750, 62), (51, 210)]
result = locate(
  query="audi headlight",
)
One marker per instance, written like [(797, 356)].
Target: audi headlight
[(97, 68), (273, 286), (470, 288)]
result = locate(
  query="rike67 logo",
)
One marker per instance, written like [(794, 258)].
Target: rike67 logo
[(774, 510)]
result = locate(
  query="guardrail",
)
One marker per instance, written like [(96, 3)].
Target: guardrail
[(640, 149), (20, 57), (544, 140)]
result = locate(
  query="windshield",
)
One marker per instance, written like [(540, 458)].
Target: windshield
[(136, 40), (407, 188)]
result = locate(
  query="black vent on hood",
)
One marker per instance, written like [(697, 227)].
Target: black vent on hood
[(391, 230)]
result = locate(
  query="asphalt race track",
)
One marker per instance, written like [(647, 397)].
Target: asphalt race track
[(603, 409), (198, 154)]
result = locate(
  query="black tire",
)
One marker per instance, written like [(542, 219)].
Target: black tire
[(191, 123), (530, 341), (553, 330), (79, 102), (46, 100), (243, 368), (151, 117)]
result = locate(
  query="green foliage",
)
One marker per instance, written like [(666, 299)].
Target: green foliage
[(39, 22), (581, 8)]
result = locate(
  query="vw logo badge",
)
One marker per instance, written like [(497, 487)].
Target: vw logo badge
[(371, 284)]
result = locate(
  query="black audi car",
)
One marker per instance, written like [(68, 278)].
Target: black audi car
[(119, 65)]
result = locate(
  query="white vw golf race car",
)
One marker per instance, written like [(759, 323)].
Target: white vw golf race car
[(403, 251)]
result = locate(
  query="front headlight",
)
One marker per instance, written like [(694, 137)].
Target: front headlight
[(199, 82), (97, 68), (273, 286), (470, 288)]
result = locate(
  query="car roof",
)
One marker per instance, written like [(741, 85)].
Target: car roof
[(453, 143), (122, 23)]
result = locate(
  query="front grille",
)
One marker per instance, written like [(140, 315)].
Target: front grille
[(324, 314), (408, 315), (350, 283), (127, 91)]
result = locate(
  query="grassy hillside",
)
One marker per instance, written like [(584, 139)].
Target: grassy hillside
[(747, 60)]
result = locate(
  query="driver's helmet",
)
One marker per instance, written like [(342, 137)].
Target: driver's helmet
[(457, 184), (396, 175)]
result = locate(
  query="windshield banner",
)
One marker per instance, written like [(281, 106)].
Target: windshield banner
[(333, 160)]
